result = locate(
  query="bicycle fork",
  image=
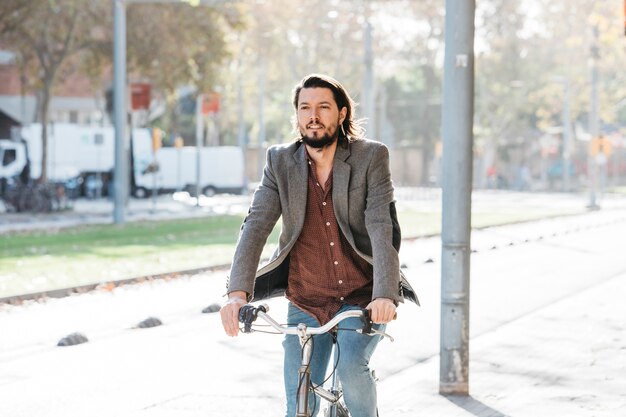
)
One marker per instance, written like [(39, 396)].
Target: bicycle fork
[(334, 394)]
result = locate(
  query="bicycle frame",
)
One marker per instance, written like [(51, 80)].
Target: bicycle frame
[(304, 376), (249, 313)]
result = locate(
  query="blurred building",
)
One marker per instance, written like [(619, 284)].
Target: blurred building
[(73, 101)]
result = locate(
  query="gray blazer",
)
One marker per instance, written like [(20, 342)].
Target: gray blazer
[(364, 207)]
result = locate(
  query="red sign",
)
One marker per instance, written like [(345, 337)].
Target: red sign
[(211, 104), (140, 96)]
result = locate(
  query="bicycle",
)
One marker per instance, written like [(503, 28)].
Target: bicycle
[(31, 197), (248, 315)]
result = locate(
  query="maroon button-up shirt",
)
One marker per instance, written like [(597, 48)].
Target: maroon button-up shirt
[(325, 272)]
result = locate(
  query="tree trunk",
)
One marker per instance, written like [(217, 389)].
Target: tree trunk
[(44, 118), (172, 112)]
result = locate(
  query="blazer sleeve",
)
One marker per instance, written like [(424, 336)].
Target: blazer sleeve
[(379, 225), (263, 214)]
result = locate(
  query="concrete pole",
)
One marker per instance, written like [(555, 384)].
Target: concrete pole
[(457, 125), (119, 110)]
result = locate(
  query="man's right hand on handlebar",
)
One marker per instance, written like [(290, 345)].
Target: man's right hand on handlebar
[(230, 312)]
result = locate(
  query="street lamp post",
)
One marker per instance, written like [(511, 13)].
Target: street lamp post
[(457, 126), (119, 110), (567, 137), (199, 144), (593, 122)]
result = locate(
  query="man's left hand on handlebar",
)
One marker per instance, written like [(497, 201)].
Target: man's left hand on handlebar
[(230, 312), (382, 310)]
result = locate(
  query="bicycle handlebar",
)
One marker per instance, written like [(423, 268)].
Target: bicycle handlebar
[(249, 313)]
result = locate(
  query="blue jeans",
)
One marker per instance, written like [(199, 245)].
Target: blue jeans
[(355, 351)]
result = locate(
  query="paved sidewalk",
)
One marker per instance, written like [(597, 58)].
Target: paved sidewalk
[(547, 327), (567, 359)]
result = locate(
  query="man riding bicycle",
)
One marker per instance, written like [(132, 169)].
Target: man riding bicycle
[(338, 247)]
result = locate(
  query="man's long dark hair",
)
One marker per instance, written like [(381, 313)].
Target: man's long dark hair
[(352, 129)]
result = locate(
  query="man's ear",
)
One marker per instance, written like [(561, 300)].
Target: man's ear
[(342, 114)]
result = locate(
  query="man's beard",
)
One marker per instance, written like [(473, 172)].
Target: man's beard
[(323, 141)]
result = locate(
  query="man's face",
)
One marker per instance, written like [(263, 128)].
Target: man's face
[(319, 117)]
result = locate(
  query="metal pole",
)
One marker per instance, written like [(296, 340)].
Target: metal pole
[(567, 135), (199, 140), (241, 122), (457, 124), (154, 181), (119, 109), (179, 185), (369, 97), (262, 74), (593, 123)]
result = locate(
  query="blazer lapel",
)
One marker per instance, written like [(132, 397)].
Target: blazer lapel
[(298, 176), (341, 182)]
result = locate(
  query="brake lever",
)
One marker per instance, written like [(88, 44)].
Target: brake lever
[(383, 334), (368, 328)]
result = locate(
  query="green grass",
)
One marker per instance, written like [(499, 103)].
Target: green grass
[(43, 261), (33, 262), (616, 190)]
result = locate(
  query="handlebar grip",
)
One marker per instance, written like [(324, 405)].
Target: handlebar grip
[(367, 322), (249, 313)]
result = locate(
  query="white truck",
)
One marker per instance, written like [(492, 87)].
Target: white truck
[(221, 170), (76, 154), (73, 150), (76, 151)]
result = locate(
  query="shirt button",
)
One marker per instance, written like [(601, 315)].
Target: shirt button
[(324, 203), (337, 263), (327, 223), (317, 183), (332, 243), (309, 162), (340, 281), (341, 298)]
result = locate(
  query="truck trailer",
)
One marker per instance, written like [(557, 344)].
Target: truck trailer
[(171, 169), (83, 153)]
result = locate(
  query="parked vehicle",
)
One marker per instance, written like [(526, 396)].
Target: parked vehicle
[(84, 156), (74, 153), (174, 169)]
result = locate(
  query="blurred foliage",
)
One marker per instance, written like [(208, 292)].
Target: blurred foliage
[(253, 52), (47, 38), (175, 45)]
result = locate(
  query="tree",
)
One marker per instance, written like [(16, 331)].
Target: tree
[(409, 42), (504, 75), (174, 45), (46, 34)]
